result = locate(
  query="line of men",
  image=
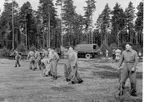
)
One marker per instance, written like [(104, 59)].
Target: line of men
[(47, 61)]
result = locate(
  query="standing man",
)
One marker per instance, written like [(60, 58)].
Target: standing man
[(31, 56), (45, 63), (67, 66), (106, 53), (37, 59), (74, 76), (130, 59), (113, 55), (17, 58), (54, 58), (140, 56)]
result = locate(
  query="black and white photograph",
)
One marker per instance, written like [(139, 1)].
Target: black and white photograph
[(71, 50)]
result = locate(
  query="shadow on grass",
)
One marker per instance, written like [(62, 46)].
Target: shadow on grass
[(63, 88), (105, 67), (2, 99), (105, 61), (82, 69), (112, 74)]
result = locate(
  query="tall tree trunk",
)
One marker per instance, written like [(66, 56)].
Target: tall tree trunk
[(43, 40), (136, 38), (48, 33), (69, 34)]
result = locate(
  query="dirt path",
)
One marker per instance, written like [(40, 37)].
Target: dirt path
[(100, 84)]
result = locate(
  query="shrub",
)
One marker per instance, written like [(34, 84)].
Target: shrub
[(105, 47), (33, 48), (113, 46), (21, 48), (137, 48), (4, 52), (122, 46)]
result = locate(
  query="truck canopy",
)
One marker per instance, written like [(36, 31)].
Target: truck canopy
[(87, 48)]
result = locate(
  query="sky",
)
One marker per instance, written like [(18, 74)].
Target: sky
[(100, 4)]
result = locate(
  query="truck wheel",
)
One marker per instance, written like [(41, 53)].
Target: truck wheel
[(88, 56)]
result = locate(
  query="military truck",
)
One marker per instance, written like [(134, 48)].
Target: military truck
[(88, 50)]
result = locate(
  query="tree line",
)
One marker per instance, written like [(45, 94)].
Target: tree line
[(43, 28)]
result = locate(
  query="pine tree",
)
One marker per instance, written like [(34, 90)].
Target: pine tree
[(60, 3), (68, 18), (118, 23), (129, 22), (6, 25), (89, 9), (99, 22), (48, 13), (28, 24), (106, 24), (97, 31), (139, 24), (78, 28)]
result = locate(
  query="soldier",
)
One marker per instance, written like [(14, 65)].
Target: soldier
[(17, 58), (40, 61), (130, 59), (113, 55), (107, 54), (37, 59), (54, 58), (139, 54), (31, 56), (74, 76), (45, 63), (67, 67)]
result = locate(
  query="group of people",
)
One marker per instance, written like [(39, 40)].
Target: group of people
[(116, 54), (47, 61)]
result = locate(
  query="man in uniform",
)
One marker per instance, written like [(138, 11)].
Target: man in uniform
[(37, 59), (74, 76), (45, 62), (54, 58), (130, 59), (17, 58), (106, 53), (113, 55), (31, 56)]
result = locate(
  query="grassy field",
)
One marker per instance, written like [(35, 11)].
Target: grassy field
[(100, 84)]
